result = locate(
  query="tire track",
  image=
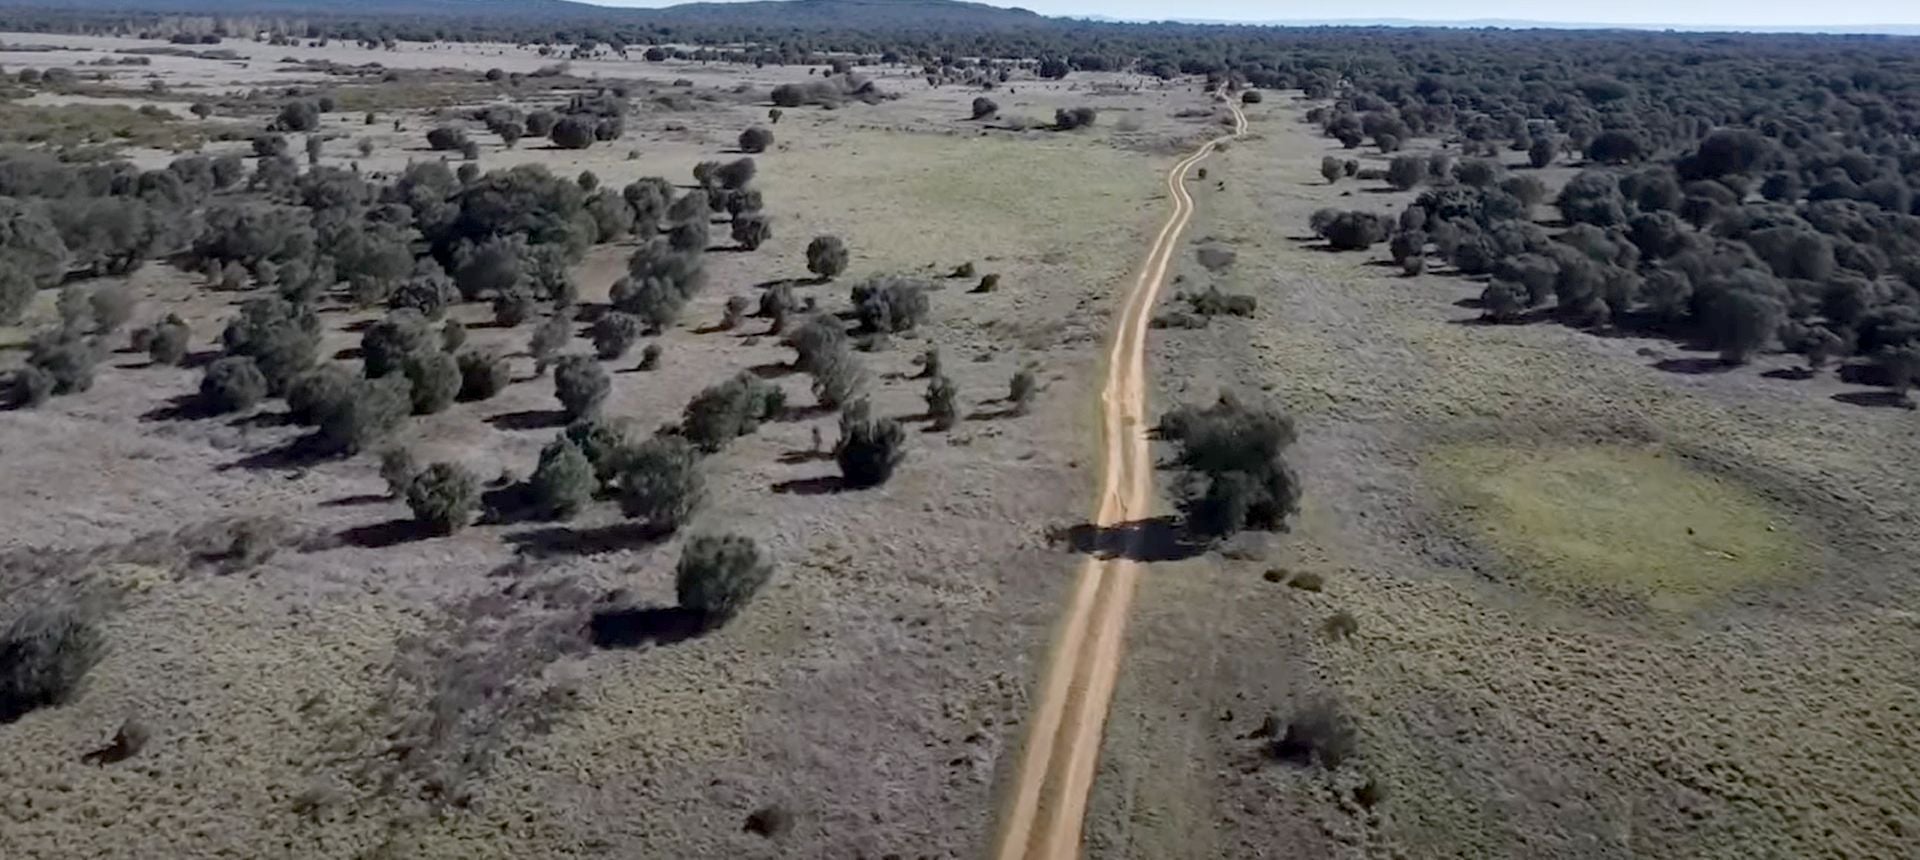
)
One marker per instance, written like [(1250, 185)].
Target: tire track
[(1048, 803)]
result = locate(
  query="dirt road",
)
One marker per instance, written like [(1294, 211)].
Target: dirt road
[(1049, 797)]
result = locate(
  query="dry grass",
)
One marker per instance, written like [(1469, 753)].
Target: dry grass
[(91, 125)]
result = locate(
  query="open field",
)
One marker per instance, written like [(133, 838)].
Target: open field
[(1598, 608), (872, 690), (1576, 586)]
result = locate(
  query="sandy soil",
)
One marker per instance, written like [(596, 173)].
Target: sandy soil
[(873, 691)]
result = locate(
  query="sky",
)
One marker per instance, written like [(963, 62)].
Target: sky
[(1716, 13)]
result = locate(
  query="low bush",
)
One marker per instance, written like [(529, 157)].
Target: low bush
[(869, 449), (718, 575), (827, 256), (729, 410), (167, 341), (661, 482), (756, 139), (891, 304), (564, 481), (614, 333), (45, 654), (232, 384), (434, 379), (581, 385), (390, 341), (1238, 477), (443, 497), (371, 412), (483, 374)]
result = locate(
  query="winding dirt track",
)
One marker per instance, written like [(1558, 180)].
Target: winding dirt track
[(1042, 820)]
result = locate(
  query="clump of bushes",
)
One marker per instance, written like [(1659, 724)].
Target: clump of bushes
[(232, 384), (1237, 474), (718, 575), (581, 385), (891, 304), (827, 257), (1068, 119), (443, 497), (45, 654), (729, 410), (614, 333), (1349, 230), (434, 379), (661, 482), (483, 374), (869, 449), (756, 139), (564, 481)]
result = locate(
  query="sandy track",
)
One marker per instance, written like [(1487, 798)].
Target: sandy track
[(1049, 798)]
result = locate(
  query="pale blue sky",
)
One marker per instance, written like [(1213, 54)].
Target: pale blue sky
[(1717, 13)]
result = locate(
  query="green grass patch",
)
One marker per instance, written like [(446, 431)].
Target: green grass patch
[(84, 125), (1627, 521)]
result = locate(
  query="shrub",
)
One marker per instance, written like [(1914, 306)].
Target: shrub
[(1067, 119), (655, 302), (1540, 152), (1319, 732), (1352, 231), (435, 379), (168, 342), (1251, 97), (540, 123), (453, 335), (298, 115), (563, 483), (943, 403), (689, 236), (838, 377), (111, 306), (232, 384), (868, 450), (1741, 321), (443, 497), (483, 373), (1503, 301), (984, 107), (581, 384), (661, 482), (1406, 171), (1021, 390), (571, 132), (29, 386), (446, 139), (751, 230), (428, 292), (988, 283), (718, 575), (398, 469), (891, 304), (814, 339), (281, 338), (756, 139), (735, 312), (650, 357), (1330, 168), (373, 409), (1239, 478), (614, 333), (721, 413), (318, 392), (45, 654), (66, 357), (827, 257), (774, 115), (512, 307), (547, 341), (387, 344)]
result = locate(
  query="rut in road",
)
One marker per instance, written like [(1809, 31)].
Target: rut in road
[(1042, 819)]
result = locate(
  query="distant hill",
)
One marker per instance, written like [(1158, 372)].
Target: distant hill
[(805, 14), (843, 13)]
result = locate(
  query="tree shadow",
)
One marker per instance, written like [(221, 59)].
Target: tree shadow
[(633, 627), (358, 326), (529, 419), (1155, 539), (557, 541), (180, 407), (995, 415), (1884, 399), (821, 486), (297, 453), (1694, 366), (384, 534), (794, 458), (356, 500), (772, 370), (351, 353), (509, 505), (263, 419), (1797, 374)]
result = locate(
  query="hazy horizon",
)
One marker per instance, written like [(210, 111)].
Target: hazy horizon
[(1720, 14)]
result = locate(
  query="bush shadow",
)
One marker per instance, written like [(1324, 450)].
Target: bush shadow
[(1694, 366), (633, 627), (1156, 539), (558, 541), (384, 534), (1885, 399), (529, 419), (819, 486)]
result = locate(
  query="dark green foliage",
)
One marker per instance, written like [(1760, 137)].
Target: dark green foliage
[(605, 443), (453, 335), (428, 292), (232, 384), (613, 218), (111, 307), (67, 357), (483, 373), (1238, 477), (818, 336), (1540, 151), (731, 409), (1251, 97), (563, 483), (372, 410), (984, 107), (650, 357), (435, 379), (1331, 169), (827, 256), (943, 403), (572, 132), (1213, 302), (298, 115), (1503, 301), (581, 385), (661, 482), (167, 344), (547, 341), (1021, 391), (29, 386), (513, 307), (718, 575), (45, 654), (1743, 318), (891, 304), (988, 283), (443, 497), (269, 145), (447, 139), (735, 312), (1406, 171), (751, 230), (1350, 231), (614, 333), (689, 236), (756, 139), (492, 268), (1068, 119), (869, 449), (398, 469), (319, 392), (390, 341)]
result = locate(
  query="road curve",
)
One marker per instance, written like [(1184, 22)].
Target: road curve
[(1048, 800)]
